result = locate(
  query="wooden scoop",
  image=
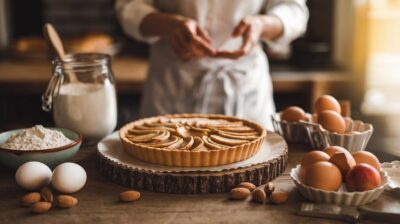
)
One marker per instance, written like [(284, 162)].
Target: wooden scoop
[(56, 44)]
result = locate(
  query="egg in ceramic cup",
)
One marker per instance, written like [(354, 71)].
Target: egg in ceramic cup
[(336, 176), (327, 127), (289, 124)]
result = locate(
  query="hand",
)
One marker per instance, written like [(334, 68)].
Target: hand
[(250, 29), (189, 40)]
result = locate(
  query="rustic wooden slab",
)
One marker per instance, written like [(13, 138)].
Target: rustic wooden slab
[(193, 182)]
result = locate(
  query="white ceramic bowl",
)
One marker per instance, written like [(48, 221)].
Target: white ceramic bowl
[(291, 132), (354, 139), (340, 197)]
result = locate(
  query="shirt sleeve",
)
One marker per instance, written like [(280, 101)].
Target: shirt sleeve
[(294, 16), (131, 14)]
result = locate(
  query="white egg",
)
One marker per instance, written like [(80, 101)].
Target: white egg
[(68, 178), (33, 175)]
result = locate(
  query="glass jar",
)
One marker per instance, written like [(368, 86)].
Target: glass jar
[(82, 92)]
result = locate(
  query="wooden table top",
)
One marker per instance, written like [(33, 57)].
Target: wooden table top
[(98, 202)]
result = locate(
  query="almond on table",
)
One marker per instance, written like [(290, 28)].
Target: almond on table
[(46, 194), (30, 199), (240, 193), (278, 197), (259, 196), (66, 201), (40, 207), (247, 185), (129, 196), (269, 188)]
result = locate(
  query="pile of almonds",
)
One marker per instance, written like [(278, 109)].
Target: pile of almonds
[(245, 189), (41, 202)]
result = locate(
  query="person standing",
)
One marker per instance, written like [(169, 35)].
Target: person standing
[(206, 55)]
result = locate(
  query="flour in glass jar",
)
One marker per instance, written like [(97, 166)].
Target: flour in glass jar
[(89, 108)]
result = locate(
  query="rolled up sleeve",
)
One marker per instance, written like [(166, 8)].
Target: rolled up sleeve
[(294, 16), (131, 14)]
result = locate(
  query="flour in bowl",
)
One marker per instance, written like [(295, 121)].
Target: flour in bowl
[(36, 138)]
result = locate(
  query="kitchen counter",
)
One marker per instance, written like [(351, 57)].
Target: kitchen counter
[(32, 76), (98, 202)]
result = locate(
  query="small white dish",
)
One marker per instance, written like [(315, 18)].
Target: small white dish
[(354, 139), (393, 171), (291, 132), (340, 197)]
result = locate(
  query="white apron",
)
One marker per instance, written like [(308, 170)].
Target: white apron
[(239, 88), (234, 87)]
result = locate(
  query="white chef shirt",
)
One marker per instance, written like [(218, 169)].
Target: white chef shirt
[(234, 87)]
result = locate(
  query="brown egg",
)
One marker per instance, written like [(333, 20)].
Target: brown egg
[(344, 161), (368, 158), (324, 175), (330, 150), (311, 158), (293, 114), (326, 102), (332, 121)]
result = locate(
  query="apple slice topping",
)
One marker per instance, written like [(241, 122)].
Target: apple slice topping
[(177, 144), (198, 144), (182, 132), (194, 128), (142, 138), (141, 131), (236, 135), (211, 144), (170, 141), (188, 144), (227, 141), (237, 129), (164, 135), (194, 134)]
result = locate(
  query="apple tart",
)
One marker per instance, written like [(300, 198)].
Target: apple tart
[(192, 140)]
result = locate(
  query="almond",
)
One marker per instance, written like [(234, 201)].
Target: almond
[(128, 196), (66, 201), (247, 185), (240, 193), (30, 199), (259, 195), (40, 207), (278, 197), (46, 194), (269, 188)]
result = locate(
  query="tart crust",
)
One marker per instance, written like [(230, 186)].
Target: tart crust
[(201, 146)]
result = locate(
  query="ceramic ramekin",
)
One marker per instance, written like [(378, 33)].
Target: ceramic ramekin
[(291, 132), (355, 138), (338, 197)]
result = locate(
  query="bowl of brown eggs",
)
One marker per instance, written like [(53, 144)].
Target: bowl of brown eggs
[(330, 124), (337, 176)]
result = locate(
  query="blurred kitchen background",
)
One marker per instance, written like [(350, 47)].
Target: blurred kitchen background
[(350, 50)]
